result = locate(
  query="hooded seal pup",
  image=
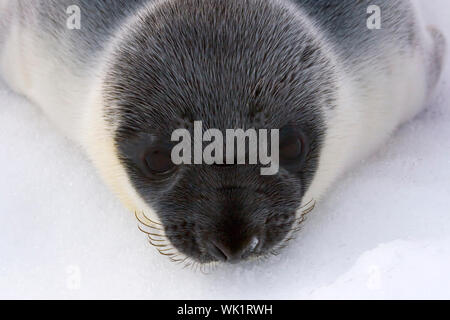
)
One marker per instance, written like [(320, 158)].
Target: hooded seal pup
[(135, 71)]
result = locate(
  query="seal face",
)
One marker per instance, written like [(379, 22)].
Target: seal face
[(230, 64)]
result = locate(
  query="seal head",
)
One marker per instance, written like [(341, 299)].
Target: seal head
[(230, 64)]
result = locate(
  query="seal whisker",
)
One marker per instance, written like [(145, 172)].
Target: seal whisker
[(203, 268), (307, 204), (159, 242), (162, 245), (295, 230), (150, 233), (155, 228), (188, 263), (210, 267), (296, 227), (156, 240), (275, 252), (305, 212), (311, 208), (167, 249), (157, 245), (146, 218), (165, 254), (180, 260), (197, 266)]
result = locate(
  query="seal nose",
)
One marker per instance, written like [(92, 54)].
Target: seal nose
[(232, 252)]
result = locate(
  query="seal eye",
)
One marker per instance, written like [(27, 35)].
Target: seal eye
[(292, 148), (158, 161)]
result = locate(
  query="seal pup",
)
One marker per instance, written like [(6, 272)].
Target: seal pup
[(135, 71)]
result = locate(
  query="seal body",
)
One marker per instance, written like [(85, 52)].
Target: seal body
[(137, 70)]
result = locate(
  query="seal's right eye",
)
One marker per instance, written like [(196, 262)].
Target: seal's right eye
[(158, 162)]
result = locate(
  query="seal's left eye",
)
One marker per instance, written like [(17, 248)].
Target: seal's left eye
[(158, 160), (293, 148)]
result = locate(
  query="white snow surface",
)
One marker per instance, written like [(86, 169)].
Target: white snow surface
[(383, 231)]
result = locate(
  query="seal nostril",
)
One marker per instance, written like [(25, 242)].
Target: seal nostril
[(232, 254), (217, 253), (253, 244)]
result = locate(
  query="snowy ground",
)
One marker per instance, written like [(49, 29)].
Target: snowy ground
[(383, 232)]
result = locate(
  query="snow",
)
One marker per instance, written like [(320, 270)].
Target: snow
[(382, 232)]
